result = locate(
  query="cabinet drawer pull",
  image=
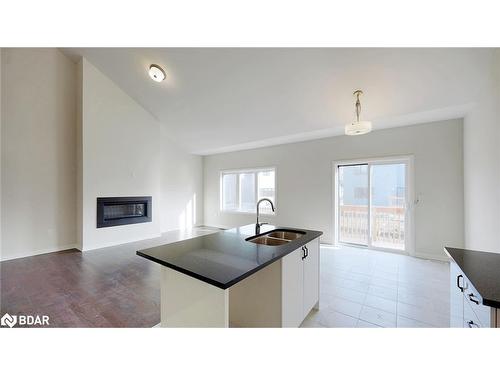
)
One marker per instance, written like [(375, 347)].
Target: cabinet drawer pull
[(458, 282), (307, 251), (303, 253), (472, 299), (472, 324)]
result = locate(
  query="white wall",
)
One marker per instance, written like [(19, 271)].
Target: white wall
[(39, 184), (38, 152), (126, 153), (69, 135), (304, 180), (181, 187), (482, 167), (120, 157), (1, 119), (79, 155)]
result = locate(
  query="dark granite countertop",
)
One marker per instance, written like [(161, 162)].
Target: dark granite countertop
[(224, 258), (483, 271)]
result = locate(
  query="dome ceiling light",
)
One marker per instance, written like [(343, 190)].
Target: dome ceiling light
[(156, 73), (358, 127)]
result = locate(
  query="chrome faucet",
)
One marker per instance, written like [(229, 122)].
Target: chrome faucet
[(258, 225)]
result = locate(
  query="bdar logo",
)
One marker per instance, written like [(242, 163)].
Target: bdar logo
[(24, 320), (8, 320)]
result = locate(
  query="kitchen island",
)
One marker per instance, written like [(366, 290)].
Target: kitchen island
[(239, 278)]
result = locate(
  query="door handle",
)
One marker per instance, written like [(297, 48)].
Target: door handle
[(303, 253), (472, 324), (307, 251), (458, 282), (472, 299)]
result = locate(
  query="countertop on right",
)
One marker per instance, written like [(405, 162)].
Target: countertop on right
[(483, 271)]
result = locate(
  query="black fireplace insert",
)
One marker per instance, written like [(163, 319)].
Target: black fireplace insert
[(113, 211)]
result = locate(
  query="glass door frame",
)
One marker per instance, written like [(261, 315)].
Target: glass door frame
[(408, 160)]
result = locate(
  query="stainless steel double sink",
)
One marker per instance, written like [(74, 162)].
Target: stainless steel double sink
[(276, 237)]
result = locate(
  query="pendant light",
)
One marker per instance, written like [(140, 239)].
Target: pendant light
[(358, 127)]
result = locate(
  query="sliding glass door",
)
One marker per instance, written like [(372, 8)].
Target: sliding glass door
[(388, 205), (372, 201), (353, 204)]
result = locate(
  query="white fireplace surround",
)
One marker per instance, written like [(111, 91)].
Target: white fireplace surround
[(119, 138)]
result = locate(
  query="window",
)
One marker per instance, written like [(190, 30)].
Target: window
[(242, 189)]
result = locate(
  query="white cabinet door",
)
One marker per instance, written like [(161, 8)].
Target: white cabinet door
[(456, 296), (470, 318), (485, 314), (311, 276), (292, 281)]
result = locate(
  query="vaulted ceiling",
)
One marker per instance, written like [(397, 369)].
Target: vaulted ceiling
[(222, 99)]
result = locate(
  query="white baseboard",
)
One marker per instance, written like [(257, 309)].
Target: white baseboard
[(432, 256), (223, 227), (38, 252), (119, 242), (419, 254)]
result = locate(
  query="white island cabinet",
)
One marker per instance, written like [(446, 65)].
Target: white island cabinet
[(280, 295), (300, 283)]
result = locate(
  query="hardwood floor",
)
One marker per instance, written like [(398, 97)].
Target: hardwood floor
[(111, 287)]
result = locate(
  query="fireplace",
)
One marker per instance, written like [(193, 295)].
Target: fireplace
[(113, 211)]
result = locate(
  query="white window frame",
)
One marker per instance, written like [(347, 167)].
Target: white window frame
[(409, 161), (247, 170)]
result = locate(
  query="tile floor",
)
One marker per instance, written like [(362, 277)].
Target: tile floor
[(369, 289)]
